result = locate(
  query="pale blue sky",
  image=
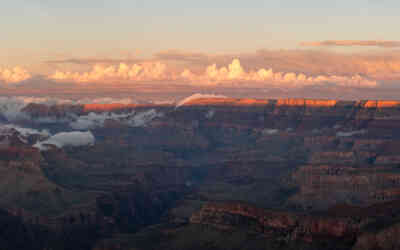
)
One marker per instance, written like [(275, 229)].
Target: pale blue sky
[(36, 30)]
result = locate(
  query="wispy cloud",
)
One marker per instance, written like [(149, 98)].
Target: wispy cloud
[(177, 55), (349, 43), (92, 61)]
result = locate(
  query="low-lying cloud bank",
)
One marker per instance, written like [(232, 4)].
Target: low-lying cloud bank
[(132, 119), (11, 108), (136, 72), (350, 43), (232, 74), (14, 75), (172, 74), (381, 66), (25, 132), (235, 72), (45, 140), (73, 139)]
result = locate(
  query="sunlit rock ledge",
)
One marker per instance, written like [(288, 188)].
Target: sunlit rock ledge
[(381, 104), (226, 102), (60, 110), (306, 102), (296, 102)]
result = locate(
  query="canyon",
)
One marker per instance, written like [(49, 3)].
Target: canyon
[(268, 174)]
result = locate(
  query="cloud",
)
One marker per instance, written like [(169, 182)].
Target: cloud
[(11, 108), (181, 56), (350, 133), (106, 100), (14, 75), (15, 109), (94, 120), (90, 61), (277, 73), (382, 66), (73, 139), (8, 131), (233, 73), (210, 114), (123, 72), (143, 118), (264, 77), (350, 43), (259, 69), (197, 96), (25, 131), (133, 119)]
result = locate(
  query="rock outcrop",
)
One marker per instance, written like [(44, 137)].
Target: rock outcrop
[(351, 225), (286, 226)]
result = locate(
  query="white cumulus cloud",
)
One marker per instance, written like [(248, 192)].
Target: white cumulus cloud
[(14, 75), (123, 72), (264, 77)]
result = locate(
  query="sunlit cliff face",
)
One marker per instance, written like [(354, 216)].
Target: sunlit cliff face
[(307, 103), (106, 107), (381, 104)]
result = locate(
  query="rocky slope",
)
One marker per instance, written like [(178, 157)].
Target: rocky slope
[(155, 164), (358, 228), (275, 224)]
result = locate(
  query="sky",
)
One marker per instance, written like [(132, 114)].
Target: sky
[(52, 41)]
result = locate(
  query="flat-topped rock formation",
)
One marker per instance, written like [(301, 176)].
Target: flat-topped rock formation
[(226, 102), (381, 104), (45, 109), (306, 102), (302, 113)]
